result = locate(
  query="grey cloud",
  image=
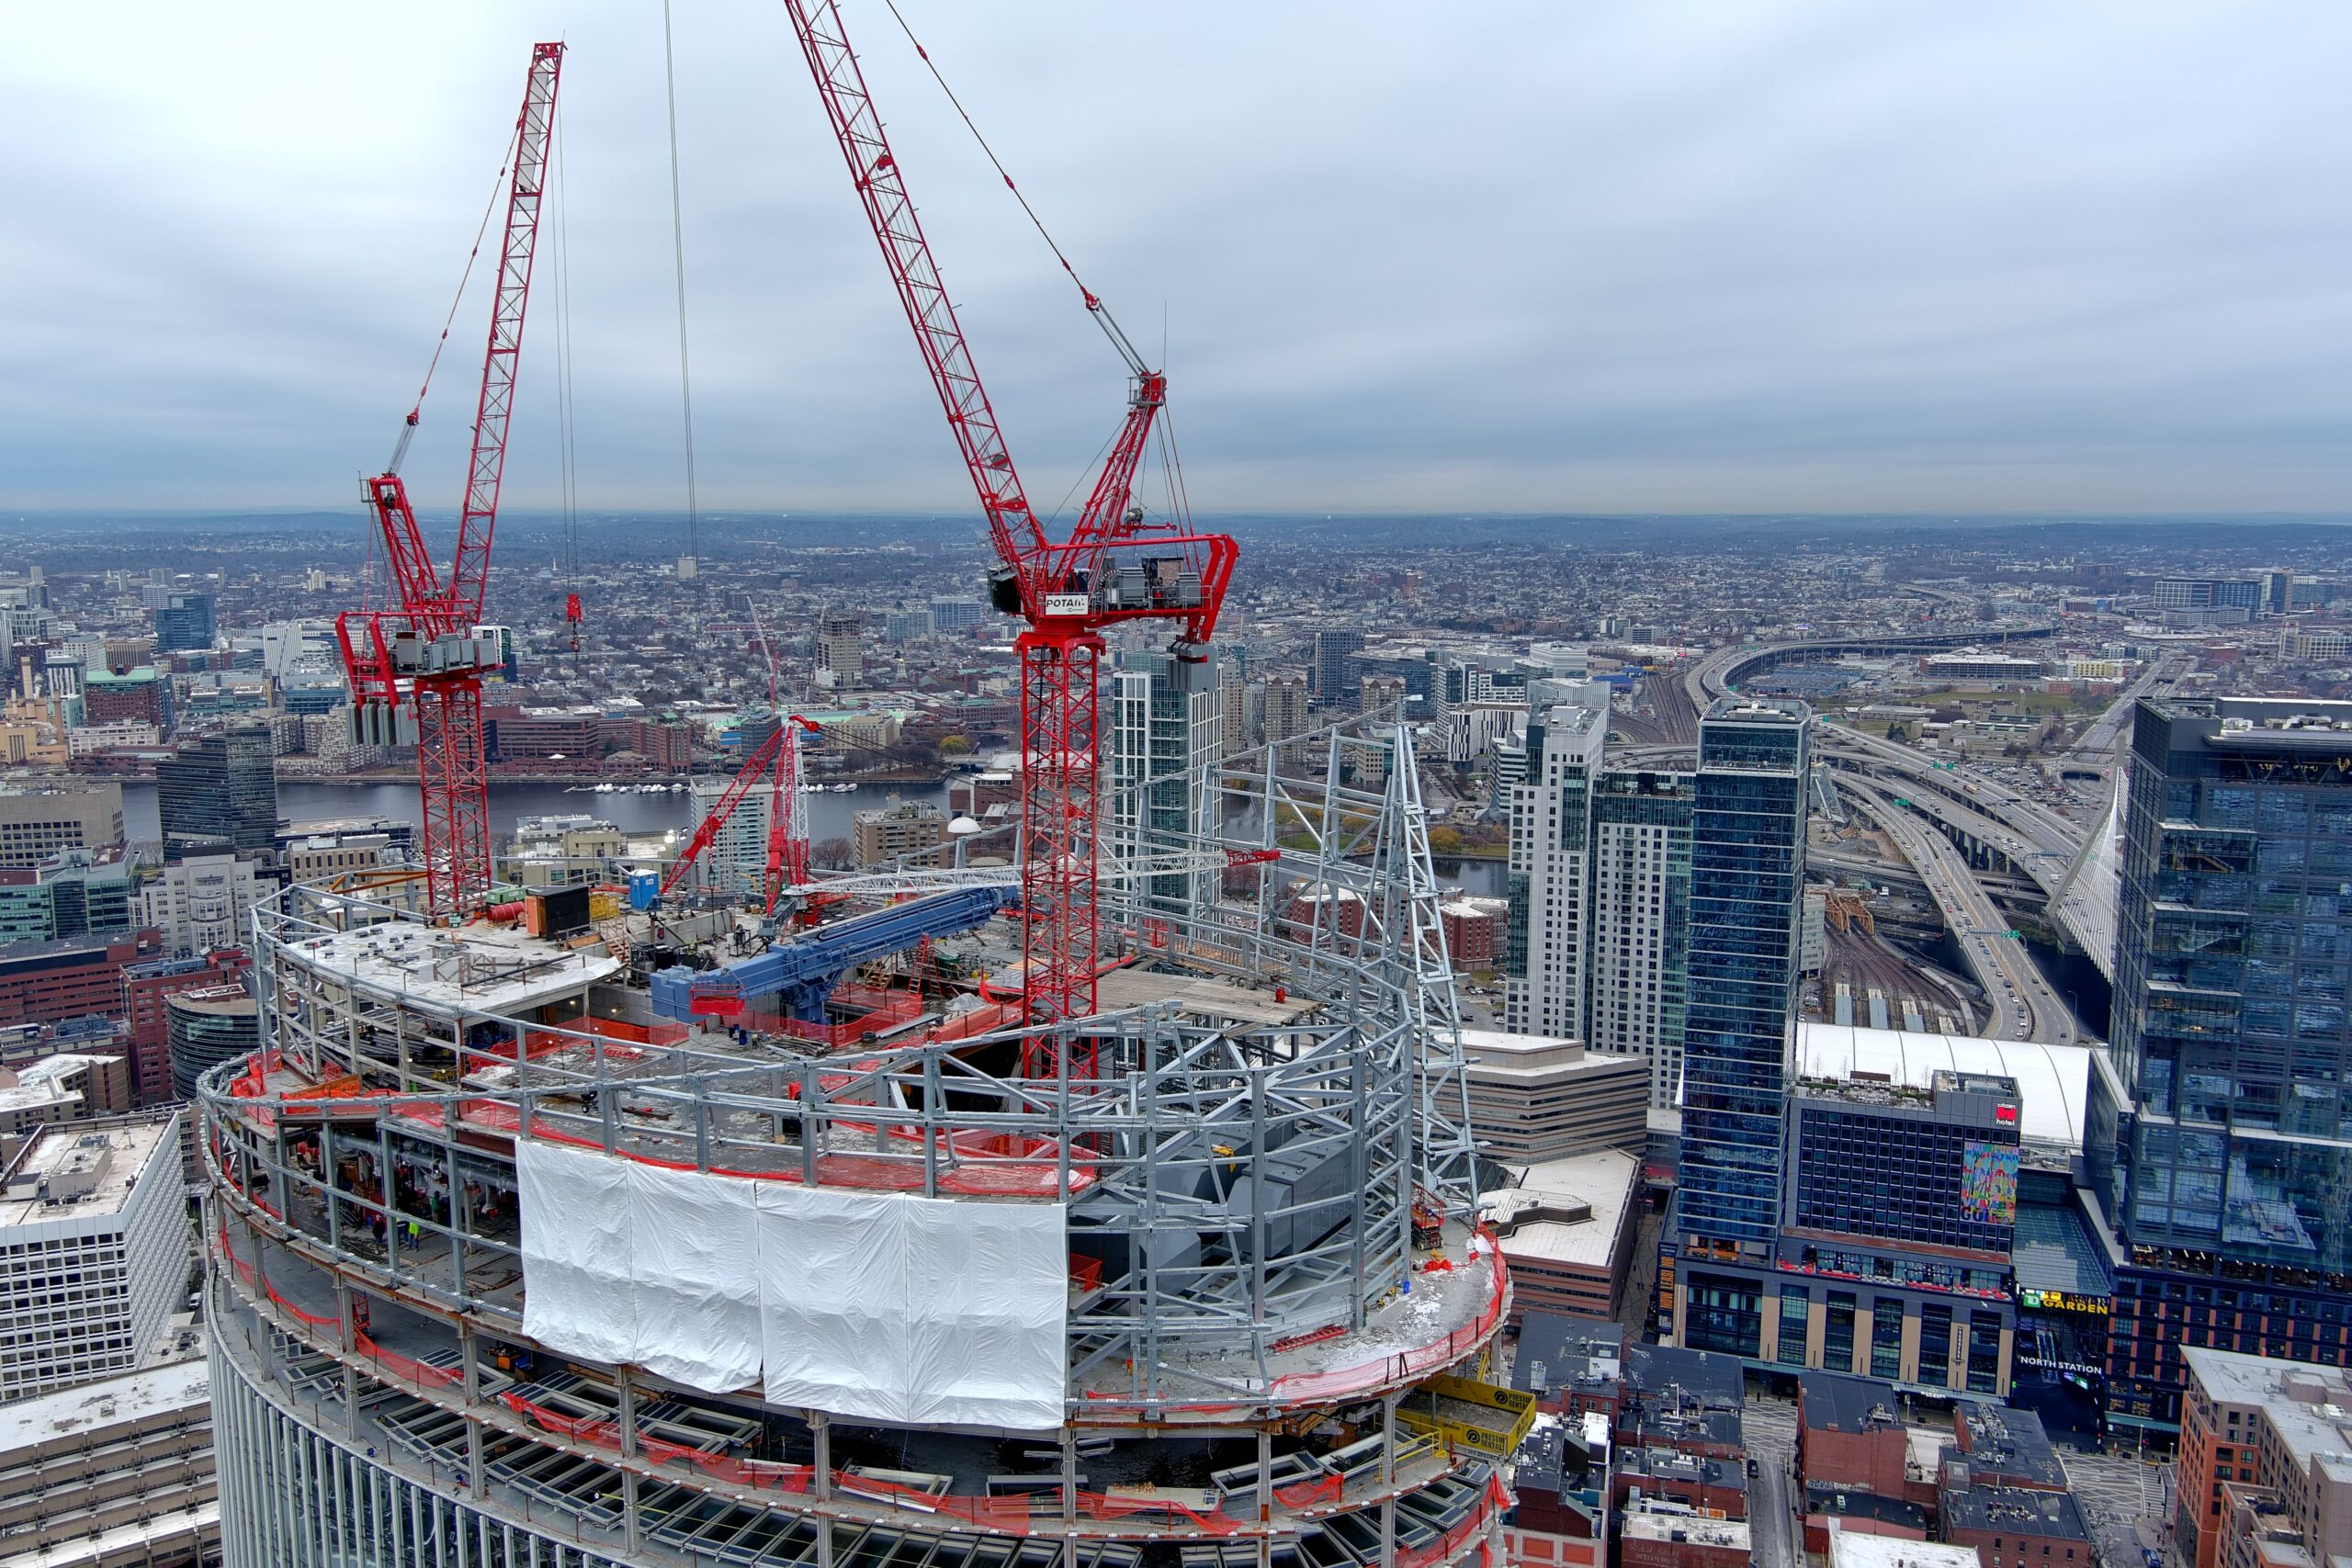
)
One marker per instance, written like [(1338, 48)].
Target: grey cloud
[(1513, 255)]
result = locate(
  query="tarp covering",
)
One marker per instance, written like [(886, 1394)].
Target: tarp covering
[(695, 1238), (915, 1309), (579, 1284), (859, 1303)]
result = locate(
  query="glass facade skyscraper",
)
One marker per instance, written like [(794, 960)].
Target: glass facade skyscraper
[(2228, 1173), (219, 793), (1748, 825)]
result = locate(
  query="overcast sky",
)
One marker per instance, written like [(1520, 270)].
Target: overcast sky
[(1596, 255)]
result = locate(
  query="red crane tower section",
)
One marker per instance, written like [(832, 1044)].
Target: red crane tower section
[(1066, 590), (423, 653)]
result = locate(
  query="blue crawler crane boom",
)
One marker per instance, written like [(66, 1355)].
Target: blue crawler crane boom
[(795, 977)]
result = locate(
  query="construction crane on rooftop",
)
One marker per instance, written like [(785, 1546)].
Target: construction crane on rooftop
[(1114, 565), (420, 662)]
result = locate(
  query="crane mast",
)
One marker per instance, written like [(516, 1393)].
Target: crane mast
[(422, 658), (1066, 590)]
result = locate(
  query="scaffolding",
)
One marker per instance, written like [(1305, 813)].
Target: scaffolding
[(1271, 1218)]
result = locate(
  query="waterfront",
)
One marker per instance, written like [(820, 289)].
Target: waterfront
[(309, 800)]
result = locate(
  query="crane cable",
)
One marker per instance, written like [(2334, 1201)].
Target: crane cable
[(1094, 305), (567, 440), (678, 246), (497, 185)]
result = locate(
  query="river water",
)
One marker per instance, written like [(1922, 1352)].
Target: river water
[(310, 800)]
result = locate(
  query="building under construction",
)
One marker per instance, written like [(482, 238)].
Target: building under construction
[(523, 1250)]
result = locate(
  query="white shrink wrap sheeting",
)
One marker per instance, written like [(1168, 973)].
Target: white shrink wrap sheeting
[(872, 1305), (913, 1309), (988, 1299), (695, 1243), (579, 1289)]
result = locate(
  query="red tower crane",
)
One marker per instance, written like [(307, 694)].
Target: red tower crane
[(425, 653), (777, 760), (1066, 590)]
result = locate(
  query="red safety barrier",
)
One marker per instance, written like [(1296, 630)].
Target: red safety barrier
[(1004, 1165), (315, 1320), (400, 1366)]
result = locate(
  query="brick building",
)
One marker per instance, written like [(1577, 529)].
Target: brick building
[(145, 989), (42, 982), (2011, 1527)]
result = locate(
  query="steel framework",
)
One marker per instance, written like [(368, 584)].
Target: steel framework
[(1067, 590), (423, 650)]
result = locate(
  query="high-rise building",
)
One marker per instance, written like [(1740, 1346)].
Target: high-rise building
[(841, 648), (219, 793), (184, 623), (1381, 694), (1285, 716), (2208, 601), (206, 1028), (2226, 1172), (1747, 830), (904, 832), (72, 894), (142, 694), (115, 1472), (2262, 1471), (202, 902), (94, 1225), (1167, 729), (1550, 841), (1235, 733), (954, 614), (1637, 961), (145, 989), (737, 859), (44, 981), (35, 824), (1334, 671)]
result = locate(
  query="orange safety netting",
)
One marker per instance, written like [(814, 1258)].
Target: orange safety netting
[(1297, 1386), (413, 1370), (315, 1320)]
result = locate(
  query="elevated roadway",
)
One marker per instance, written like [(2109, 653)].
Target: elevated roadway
[(2020, 1003)]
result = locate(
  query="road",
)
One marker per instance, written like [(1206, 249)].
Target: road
[(2095, 746), (1776, 1534), (2020, 1002)]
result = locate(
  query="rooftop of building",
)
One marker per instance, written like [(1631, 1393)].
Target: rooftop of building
[(2055, 1250), (2014, 1510), (228, 999), (1562, 1354), (1565, 1210), (92, 1407), (62, 947), (1832, 1401), (1695, 1380), (43, 1083), (1653, 1524), (2052, 1082), (1197, 996), (2309, 1406), (488, 969), (2010, 1442), (1558, 1457), (1657, 1463), (80, 1172), (1849, 1550), (1498, 1057)]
